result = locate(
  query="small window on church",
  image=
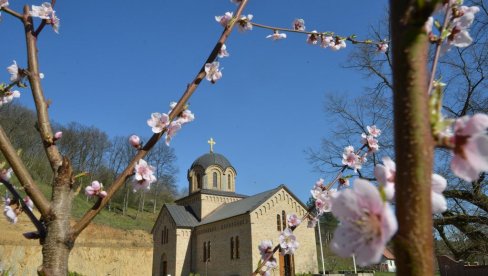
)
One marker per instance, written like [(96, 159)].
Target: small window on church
[(283, 219), (237, 247), (204, 251), (163, 235), (215, 180), (278, 222), (199, 181), (232, 248), (228, 182)]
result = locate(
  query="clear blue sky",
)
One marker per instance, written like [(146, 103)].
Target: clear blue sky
[(116, 62)]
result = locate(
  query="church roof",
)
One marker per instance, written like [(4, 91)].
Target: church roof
[(239, 207), (182, 216), (210, 159)]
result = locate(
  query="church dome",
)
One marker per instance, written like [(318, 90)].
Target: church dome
[(210, 159)]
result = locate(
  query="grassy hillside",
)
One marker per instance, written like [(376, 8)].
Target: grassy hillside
[(114, 218)]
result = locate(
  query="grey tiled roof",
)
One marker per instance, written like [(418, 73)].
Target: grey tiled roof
[(239, 207), (212, 158), (183, 216)]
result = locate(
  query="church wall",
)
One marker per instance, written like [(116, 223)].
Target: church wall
[(219, 235), (183, 252), (164, 251), (212, 202), (265, 227), (194, 202)]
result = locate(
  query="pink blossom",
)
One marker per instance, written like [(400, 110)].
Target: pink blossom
[(382, 47), (172, 105), (367, 223), (439, 203), (212, 71), (13, 70), (385, 174), (326, 41), (312, 222), (55, 22), (95, 190), (323, 201), (459, 36), (44, 11), (158, 122), (351, 159), (373, 131), (29, 202), (276, 36), (370, 141), (237, 2), (245, 23), (266, 251), (135, 141), (299, 25), (293, 220), (173, 128), (185, 117), (144, 175), (338, 44), (428, 25), (470, 147), (6, 174), (313, 37), (10, 214), (9, 96), (224, 19), (3, 3), (288, 242), (58, 135), (223, 52)]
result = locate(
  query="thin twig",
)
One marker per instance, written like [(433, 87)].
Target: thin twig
[(39, 225), (438, 50), (12, 12), (349, 38)]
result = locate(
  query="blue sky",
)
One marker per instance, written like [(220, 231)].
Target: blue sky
[(116, 62)]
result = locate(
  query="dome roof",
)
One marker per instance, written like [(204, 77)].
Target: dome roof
[(210, 159)]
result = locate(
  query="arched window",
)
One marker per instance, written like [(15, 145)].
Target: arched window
[(215, 180), (199, 181), (229, 187), (237, 247), (204, 251), (278, 222), (232, 248), (283, 219)]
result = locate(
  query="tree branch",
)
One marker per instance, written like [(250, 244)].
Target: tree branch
[(101, 203), (12, 12), (480, 200), (52, 152), (23, 174)]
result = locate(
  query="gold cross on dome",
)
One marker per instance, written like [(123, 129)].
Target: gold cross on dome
[(212, 143)]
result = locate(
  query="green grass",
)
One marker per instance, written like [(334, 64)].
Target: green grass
[(131, 221)]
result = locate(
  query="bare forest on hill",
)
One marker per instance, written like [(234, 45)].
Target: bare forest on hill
[(94, 154)]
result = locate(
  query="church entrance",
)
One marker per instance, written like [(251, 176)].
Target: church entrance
[(287, 265), (164, 266)]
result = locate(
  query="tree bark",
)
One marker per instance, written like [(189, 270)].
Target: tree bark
[(413, 138), (58, 243)]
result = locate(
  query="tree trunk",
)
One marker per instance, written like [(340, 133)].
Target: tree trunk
[(413, 138), (57, 244)]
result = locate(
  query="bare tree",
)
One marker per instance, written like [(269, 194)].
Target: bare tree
[(464, 72)]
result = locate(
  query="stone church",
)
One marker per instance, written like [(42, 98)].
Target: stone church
[(216, 231)]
